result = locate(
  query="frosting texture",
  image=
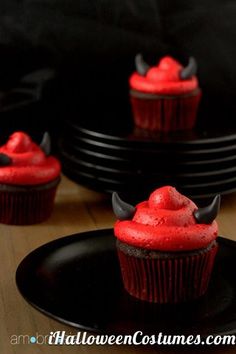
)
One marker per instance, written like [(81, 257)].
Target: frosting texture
[(164, 78), (28, 163), (165, 222)]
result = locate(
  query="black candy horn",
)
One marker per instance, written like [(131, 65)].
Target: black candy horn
[(122, 210), (4, 160), (208, 214), (141, 66), (189, 70), (46, 144)]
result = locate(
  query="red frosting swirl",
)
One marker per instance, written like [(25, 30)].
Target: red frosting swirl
[(163, 79), (29, 165), (165, 222)]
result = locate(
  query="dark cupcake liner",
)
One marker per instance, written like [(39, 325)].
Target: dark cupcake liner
[(167, 278), (26, 205), (165, 113)]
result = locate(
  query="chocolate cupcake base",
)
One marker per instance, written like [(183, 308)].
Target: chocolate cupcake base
[(25, 205), (165, 112), (166, 277)]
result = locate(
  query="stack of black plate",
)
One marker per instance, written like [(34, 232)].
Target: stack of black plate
[(108, 155)]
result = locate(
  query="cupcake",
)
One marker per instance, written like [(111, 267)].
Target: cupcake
[(164, 97), (166, 246), (28, 180)]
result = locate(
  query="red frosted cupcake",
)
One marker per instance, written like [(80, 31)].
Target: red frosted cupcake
[(28, 180), (166, 246), (164, 97)]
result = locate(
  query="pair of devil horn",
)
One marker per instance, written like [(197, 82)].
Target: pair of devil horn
[(142, 67), (45, 146), (206, 215)]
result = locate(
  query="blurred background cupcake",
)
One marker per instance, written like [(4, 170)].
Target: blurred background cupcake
[(28, 180), (164, 97)]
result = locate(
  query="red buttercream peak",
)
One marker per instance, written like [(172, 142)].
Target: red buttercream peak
[(166, 198), (28, 163), (167, 70), (168, 63), (19, 142)]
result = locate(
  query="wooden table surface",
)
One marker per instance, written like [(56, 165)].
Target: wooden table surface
[(77, 209)]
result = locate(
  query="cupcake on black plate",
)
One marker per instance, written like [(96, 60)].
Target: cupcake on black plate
[(166, 246)]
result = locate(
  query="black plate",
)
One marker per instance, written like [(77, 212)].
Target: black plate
[(90, 154), (76, 280), (107, 132), (207, 178), (139, 189), (164, 151)]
